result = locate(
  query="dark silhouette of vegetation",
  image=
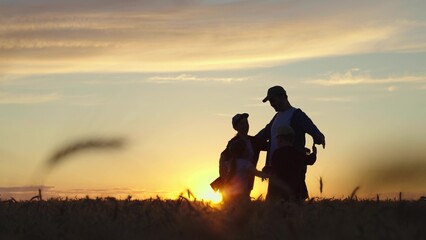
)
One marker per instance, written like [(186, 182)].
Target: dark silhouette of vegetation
[(183, 218)]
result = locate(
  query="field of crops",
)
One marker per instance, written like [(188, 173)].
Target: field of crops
[(109, 218)]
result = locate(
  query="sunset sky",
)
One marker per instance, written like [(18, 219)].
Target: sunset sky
[(167, 77)]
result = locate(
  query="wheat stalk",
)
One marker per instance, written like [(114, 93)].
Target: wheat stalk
[(353, 194), (84, 145)]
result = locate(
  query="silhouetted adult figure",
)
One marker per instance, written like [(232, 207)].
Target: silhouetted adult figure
[(290, 116), (288, 167)]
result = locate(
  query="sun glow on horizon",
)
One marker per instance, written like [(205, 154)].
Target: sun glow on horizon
[(207, 194)]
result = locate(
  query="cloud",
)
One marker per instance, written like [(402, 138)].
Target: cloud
[(192, 78), (108, 191), (24, 189), (336, 99), (148, 36), (6, 98), (357, 77), (27, 192), (392, 88)]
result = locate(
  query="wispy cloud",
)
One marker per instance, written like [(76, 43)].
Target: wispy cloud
[(336, 99), (7, 98), (356, 77), (24, 189), (46, 36), (392, 88), (192, 78), (27, 192)]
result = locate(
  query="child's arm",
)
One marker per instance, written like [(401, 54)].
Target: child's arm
[(258, 173)]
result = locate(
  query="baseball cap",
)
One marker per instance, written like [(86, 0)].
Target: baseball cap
[(274, 91), (238, 118)]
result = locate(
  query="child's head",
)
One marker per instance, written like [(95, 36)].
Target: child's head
[(237, 148), (285, 135), (240, 123)]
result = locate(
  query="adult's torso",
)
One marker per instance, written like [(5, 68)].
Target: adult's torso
[(281, 119)]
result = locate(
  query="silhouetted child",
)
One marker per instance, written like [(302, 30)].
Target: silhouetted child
[(289, 168), (238, 185)]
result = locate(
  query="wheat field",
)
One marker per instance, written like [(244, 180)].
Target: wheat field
[(184, 218)]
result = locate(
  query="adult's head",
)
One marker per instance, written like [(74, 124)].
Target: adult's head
[(277, 97), (240, 123)]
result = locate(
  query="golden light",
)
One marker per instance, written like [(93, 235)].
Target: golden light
[(199, 184), (211, 196)]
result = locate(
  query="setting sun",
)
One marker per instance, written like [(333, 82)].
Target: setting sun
[(203, 191), (209, 195)]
